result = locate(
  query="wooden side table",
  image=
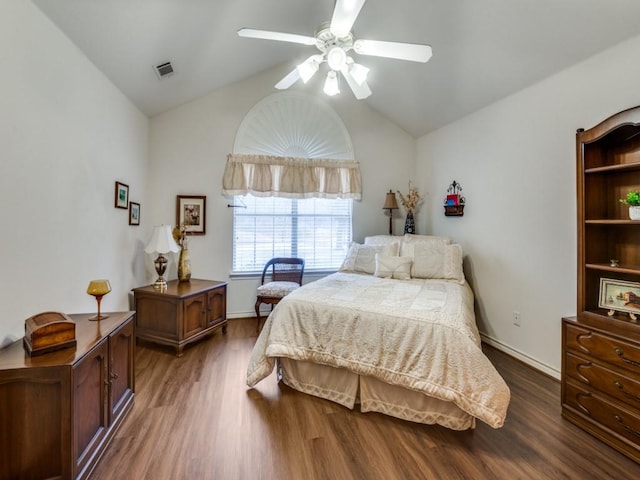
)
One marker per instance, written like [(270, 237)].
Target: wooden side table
[(182, 313)]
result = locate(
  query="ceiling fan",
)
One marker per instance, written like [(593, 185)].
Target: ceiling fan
[(335, 40)]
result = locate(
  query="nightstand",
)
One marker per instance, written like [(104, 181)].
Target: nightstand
[(182, 313)]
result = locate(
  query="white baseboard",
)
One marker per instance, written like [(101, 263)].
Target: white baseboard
[(523, 357), (247, 314)]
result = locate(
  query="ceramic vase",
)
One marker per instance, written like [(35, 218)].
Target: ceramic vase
[(634, 212), (184, 265), (410, 224)]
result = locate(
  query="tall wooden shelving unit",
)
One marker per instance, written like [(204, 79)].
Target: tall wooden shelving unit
[(601, 352)]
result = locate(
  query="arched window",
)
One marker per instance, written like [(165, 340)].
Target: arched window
[(292, 168)]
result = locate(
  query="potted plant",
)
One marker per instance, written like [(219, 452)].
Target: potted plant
[(633, 200)]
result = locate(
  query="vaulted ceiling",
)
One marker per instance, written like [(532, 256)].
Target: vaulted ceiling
[(483, 50)]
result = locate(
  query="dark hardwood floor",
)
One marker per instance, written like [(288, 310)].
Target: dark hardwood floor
[(195, 418)]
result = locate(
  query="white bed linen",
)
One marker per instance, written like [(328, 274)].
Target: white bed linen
[(415, 334), (347, 388)]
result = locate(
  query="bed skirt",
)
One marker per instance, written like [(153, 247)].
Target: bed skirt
[(350, 389)]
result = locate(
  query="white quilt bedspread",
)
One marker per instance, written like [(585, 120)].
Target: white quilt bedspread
[(418, 334)]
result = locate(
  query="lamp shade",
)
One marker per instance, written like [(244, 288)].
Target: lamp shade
[(390, 202), (162, 241)]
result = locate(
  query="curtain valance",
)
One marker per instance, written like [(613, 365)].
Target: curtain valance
[(291, 177)]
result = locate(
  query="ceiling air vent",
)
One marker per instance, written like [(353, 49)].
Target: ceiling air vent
[(164, 70)]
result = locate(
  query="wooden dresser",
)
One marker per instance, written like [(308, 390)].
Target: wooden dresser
[(58, 411), (182, 313), (601, 346)]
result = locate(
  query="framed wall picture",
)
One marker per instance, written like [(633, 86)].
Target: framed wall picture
[(122, 195), (620, 296), (134, 213), (191, 212)]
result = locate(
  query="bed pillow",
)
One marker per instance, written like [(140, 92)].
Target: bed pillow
[(390, 241), (425, 238), (393, 267), (362, 258), (452, 263), (433, 257)]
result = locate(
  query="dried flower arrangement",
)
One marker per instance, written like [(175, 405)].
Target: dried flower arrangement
[(180, 235), (410, 202)]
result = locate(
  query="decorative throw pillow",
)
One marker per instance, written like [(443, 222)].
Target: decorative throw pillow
[(393, 267), (362, 258)]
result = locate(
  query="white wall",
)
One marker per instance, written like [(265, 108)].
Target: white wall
[(188, 149), (516, 163), (67, 134)]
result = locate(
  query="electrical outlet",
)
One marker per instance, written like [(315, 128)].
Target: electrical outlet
[(516, 318)]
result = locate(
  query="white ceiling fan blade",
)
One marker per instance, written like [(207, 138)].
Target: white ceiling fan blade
[(361, 91), (344, 15), (281, 37), (292, 77), (402, 51)]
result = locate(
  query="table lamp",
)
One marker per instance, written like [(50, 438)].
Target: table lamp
[(98, 288), (390, 204), (161, 242)]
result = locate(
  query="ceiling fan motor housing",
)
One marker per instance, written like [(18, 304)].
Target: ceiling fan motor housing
[(325, 40)]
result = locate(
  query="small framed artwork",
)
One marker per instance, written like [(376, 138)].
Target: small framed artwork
[(191, 212), (620, 296), (122, 195), (134, 213)]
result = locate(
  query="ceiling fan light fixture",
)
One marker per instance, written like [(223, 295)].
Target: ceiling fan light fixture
[(359, 73), (331, 86), (308, 68), (336, 58)]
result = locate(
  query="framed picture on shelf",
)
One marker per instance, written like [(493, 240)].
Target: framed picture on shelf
[(134, 213), (619, 296), (122, 195), (191, 212)]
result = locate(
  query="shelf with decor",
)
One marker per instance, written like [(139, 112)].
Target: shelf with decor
[(601, 344)]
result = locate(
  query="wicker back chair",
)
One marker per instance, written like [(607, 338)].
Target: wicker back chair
[(282, 275)]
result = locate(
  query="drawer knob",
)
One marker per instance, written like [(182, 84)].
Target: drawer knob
[(625, 426), (626, 394), (620, 353)]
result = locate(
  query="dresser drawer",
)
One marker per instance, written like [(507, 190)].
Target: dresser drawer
[(611, 350), (614, 384), (615, 418)]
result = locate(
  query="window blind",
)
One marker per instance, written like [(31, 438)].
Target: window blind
[(316, 229)]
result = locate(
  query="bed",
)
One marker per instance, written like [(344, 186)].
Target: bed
[(393, 332)]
